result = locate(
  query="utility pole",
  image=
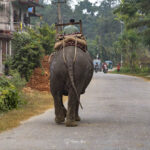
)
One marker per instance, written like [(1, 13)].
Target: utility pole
[(59, 16), (121, 23)]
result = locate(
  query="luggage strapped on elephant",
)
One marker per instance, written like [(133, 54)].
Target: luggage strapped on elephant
[(75, 39), (71, 40)]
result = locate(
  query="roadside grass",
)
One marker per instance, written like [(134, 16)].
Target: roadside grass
[(144, 75), (35, 103)]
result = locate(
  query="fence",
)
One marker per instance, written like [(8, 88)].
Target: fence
[(16, 26)]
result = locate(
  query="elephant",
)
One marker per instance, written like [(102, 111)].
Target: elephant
[(70, 73)]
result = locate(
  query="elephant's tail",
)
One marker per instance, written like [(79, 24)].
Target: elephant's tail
[(70, 72), (70, 66)]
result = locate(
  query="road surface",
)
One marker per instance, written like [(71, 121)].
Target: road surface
[(116, 116)]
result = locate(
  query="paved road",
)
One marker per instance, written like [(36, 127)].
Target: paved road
[(116, 116)]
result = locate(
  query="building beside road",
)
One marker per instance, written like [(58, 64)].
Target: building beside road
[(14, 17)]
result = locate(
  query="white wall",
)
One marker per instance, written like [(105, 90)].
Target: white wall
[(1, 65), (11, 17), (4, 16)]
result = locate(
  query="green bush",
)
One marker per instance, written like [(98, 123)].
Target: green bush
[(27, 54), (125, 69), (136, 69), (29, 48), (9, 95), (16, 79), (47, 37), (145, 70)]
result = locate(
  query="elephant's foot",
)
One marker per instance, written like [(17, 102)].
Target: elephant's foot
[(59, 120), (77, 118), (70, 123)]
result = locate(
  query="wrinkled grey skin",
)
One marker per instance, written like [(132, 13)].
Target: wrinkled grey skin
[(70, 78)]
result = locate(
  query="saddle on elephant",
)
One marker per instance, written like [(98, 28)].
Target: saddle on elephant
[(75, 39)]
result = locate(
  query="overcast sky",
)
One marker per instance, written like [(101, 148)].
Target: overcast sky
[(92, 1), (76, 1)]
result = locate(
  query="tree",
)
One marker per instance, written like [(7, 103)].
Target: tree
[(136, 14), (108, 28), (27, 54), (129, 46), (98, 21), (47, 36)]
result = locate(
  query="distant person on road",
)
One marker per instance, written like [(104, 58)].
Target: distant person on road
[(96, 67), (118, 67), (104, 66), (71, 29)]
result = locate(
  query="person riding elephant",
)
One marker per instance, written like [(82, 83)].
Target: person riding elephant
[(71, 29)]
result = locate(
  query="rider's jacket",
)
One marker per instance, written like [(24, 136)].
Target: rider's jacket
[(71, 29)]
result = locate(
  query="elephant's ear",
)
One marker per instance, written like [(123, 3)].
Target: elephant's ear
[(51, 57)]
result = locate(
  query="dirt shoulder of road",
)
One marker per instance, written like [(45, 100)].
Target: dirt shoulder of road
[(36, 103), (145, 76)]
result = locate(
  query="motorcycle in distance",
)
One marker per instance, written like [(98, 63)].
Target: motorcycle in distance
[(105, 68), (96, 68), (97, 65)]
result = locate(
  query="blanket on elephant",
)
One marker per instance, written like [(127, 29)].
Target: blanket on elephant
[(71, 40)]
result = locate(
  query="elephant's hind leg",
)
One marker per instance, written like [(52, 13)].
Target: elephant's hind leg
[(70, 122), (60, 112), (77, 117)]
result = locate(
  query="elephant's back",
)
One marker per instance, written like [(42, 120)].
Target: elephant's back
[(82, 68), (81, 60)]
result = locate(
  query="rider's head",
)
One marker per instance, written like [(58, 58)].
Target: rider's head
[(72, 21)]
